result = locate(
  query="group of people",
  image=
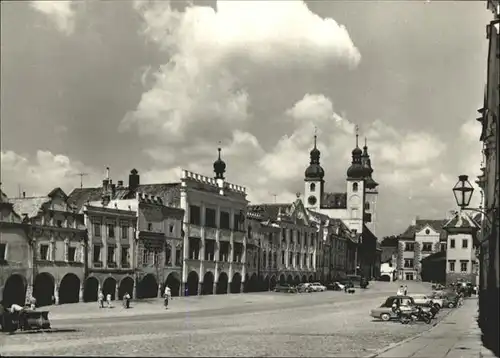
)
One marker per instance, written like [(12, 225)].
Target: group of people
[(402, 291), (126, 298)]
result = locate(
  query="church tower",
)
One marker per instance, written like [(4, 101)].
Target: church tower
[(356, 190), (313, 181), (371, 192)]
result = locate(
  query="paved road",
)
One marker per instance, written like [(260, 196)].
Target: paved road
[(270, 324)]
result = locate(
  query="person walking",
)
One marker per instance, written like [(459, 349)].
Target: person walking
[(108, 300), (100, 299), (405, 290), (400, 291), (126, 300)]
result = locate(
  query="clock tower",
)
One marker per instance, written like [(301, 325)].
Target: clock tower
[(313, 181)]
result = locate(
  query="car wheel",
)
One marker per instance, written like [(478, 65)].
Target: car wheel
[(451, 305), (385, 317)]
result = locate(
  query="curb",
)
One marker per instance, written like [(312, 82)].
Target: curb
[(409, 339)]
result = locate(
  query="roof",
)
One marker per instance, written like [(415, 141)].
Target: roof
[(461, 220), (3, 197), (437, 256), (168, 192), (269, 211), (318, 216), (30, 206), (420, 224), (334, 201)]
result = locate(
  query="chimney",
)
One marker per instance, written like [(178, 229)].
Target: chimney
[(24, 194), (120, 184), (414, 221), (133, 180)]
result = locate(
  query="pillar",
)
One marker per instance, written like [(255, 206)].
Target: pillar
[(56, 294), (134, 290), (200, 286), (215, 288), (183, 289), (242, 287), (117, 288), (81, 293), (159, 291)]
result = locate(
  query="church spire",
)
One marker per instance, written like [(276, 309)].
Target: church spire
[(314, 170)]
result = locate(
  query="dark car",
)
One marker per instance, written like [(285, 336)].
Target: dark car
[(358, 281), (285, 287)]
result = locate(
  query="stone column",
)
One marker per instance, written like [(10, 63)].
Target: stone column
[(200, 286), (159, 291), (183, 289), (214, 288), (81, 293), (117, 291), (134, 290), (56, 294)]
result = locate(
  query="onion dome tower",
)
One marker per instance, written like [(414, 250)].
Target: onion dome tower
[(367, 167), (356, 170), (314, 171), (219, 167), (313, 177)]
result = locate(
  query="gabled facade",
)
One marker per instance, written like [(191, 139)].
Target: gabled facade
[(59, 241)]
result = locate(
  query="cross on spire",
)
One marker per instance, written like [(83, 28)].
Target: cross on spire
[(219, 148), (365, 143), (357, 134), (315, 135)]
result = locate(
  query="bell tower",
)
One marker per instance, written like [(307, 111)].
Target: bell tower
[(313, 181), (355, 189), (371, 193)]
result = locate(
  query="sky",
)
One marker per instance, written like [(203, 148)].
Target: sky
[(156, 85)]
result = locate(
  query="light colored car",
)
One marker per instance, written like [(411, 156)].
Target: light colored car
[(317, 287), (426, 300), (385, 312)]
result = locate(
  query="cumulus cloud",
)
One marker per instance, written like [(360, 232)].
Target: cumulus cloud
[(61, 13), (39, 175)]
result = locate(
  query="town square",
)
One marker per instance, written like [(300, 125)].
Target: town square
[(249, 178)]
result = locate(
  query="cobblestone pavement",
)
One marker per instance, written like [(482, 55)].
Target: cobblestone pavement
[(269, 324)]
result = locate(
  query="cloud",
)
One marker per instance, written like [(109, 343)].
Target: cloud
[(61, 12), (39, 175)]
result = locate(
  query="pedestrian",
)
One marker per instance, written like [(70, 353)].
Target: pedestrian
[(168, 292), (100, 299), (126, 300), (400, 291), (405, 290), (108, 300)]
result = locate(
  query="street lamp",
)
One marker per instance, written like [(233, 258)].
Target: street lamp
[(463, 194)]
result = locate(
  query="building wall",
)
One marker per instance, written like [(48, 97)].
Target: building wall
[(459, 255)]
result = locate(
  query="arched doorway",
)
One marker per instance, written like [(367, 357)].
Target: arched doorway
[(192, 284), (90, 289), (69, 289), (282, 279), (289, 279), (236, 283), (126, 286), (296, 281), (266, 283), (43, 289), (174, 283), (311, 278), (208, 284), (222, 284), (109, 287), (304, 278), (253, 283), (272, 283), (14, 291), (246, 286), (148, 287)]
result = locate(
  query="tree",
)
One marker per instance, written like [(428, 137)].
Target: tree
[(390, 241)]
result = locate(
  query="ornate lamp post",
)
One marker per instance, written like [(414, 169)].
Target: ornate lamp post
[(463, 194)]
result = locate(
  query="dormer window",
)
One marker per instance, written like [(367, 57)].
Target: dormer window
[(355, 187)]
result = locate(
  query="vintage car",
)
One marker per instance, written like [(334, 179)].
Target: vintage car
[(304, 287), (426, 300), (285, 287), (448, 298), (358, 281), (25, 319), (385, 312), (335, 286), (317, 287)]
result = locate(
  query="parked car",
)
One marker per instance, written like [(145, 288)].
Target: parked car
[(358, 281), (304, 287), (335, 286), (285, 287), (317, 287), (427, 300), (385, 312), (449, 299)]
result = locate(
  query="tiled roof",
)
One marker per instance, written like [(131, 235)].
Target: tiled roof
[(461, 220), (318, 216), (270, 211), (168, 192), (30, 206), (334, 201), (420, 224)]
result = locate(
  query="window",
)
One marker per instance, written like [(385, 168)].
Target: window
[(168, 253), (124, 231), (427, 246), (408, 263), (238, 223), (443, 246), (44, 252), (249, 232), (452, 243), (71, 254), (452, 266), (3, 252), (409, 246), (194, 215), (111, 254), (124, 257), (178, 257), (355, 187), (312, 187), (409, 276), (224, 220), (463, 266), (150, 226), (427, 231), (171, 228), (96, 257), (367, 206), (59, 223), (210, 217), (464, 243), (97, 229), (282, 257), (111, 230)]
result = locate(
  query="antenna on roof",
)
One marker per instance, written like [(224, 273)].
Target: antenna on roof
[(81, 175)]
